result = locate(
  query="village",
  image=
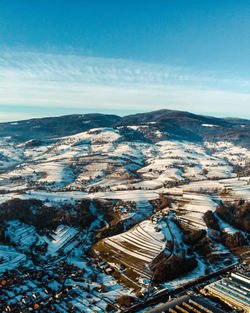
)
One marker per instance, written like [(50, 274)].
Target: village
[(53, 285), (114, 222), (56, 286)]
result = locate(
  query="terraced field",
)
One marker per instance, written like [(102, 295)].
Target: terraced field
[(22, 234), (10, 258), (192, 208), (132, 252), (64, 237)]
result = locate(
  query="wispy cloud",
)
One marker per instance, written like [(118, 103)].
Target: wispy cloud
[(68, 81)]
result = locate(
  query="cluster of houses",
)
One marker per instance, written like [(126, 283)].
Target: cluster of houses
[(43, 290), (24, 290)]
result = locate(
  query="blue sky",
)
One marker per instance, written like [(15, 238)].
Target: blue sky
[(61, 57)]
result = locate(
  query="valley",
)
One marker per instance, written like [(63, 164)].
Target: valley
[(104, 217)]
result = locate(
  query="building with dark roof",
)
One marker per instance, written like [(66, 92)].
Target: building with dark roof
[(186, 304), (233, 290)]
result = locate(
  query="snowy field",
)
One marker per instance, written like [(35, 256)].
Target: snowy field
[(104, 164), (103, 160), (135, 249), (10, 258)]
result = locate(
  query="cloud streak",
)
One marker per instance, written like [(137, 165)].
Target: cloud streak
[(63, 81)]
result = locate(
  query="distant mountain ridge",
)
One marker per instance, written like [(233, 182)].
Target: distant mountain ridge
[(174, 124), (51, 127)]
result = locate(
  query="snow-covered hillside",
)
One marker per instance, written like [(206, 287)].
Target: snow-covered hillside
[(119, 206), (105, 160)]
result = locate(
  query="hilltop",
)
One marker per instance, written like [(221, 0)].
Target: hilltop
[(173, 124)]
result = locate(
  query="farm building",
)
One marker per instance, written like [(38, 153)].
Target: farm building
[(233, 290), (186, 304)]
